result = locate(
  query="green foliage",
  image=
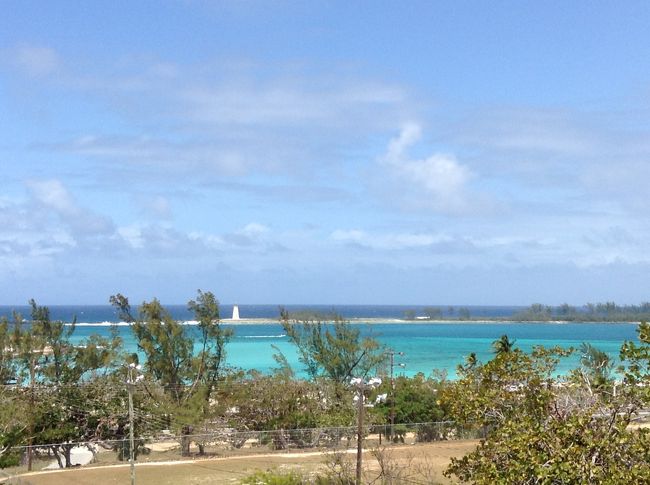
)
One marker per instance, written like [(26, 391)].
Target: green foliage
[(409, 314), (123, 449), (10, 436), (573, 448), (339, 470), (536, 312), (503, 345), (98, 357), (7, 361), (464, 313), (416, 400), (274, 477), (52, 339), (55, 408), (273, 402), (539, 430), (636, 363), (207, 365), (12, 427), (595, 370), (168, 346), (590, 312), (333, 349), (188, 378), (503, 388), (432, 312)]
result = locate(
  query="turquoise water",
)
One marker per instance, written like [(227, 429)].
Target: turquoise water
[(426, 347)]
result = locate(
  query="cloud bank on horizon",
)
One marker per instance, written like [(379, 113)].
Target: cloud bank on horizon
[(294, 153)]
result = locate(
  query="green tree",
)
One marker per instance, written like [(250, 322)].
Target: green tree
[(565, 310), (416, 400), (503, 345), (56, 362), (471, 361), (270, 402), (636, 364), (7, 353), (432, 312), (464, 314), (539, 430), (12, 426), (10, 436), (188, 378), (409, 314), (56, 373), (332, 349), (595, 371)]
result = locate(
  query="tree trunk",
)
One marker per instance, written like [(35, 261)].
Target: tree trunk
[(186, 440), (57, 456), (66, 453)]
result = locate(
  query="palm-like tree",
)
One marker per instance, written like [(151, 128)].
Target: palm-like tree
[(471, 360), (503, 345)]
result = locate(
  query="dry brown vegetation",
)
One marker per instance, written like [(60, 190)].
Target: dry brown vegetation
[(424, 461)]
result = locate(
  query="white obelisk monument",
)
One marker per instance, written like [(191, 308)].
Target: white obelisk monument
[(235, 312)]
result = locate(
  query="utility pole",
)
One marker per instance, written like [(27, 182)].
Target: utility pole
[(30, 448), (131, 380), (359, 430), (131, 437), (361, 386), (392, 391)]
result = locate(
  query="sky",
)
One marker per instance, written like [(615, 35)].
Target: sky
[(333, 152)]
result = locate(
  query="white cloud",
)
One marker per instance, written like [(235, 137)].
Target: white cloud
[(409, 134), (531, 131), (251, 235), (438, 182), (391, 241), (282, 103), (37, 60), (53, 194), (254, 229), (157, 206), (132, 235), (351, 235), (218, 120)]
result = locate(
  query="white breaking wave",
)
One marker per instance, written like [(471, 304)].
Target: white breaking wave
[(119, 324), (265, 336), (99, 324)]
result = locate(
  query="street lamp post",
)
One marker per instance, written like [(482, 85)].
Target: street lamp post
[(361, 385), (133, 376), (392, 390)]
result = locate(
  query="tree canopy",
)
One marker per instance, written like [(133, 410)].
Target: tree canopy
[(332, 347), (541, 429)]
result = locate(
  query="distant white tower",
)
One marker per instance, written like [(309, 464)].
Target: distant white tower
[(235, 312)]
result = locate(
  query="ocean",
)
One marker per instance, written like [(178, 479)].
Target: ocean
[(426, 347), (106, 313)]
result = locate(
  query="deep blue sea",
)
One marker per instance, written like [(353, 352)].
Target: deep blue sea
[(426, 346)]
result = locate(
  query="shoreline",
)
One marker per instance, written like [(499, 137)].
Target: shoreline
[(398, 321), (379, 321)]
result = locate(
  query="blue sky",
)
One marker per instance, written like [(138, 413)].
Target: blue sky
[(325, 152)]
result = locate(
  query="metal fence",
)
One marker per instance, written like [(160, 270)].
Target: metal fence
[(225, 442)]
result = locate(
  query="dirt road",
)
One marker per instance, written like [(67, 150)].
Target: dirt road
[(422, 463)]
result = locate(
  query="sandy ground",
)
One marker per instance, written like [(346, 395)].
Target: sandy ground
[(79, 455), (424, 462)]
